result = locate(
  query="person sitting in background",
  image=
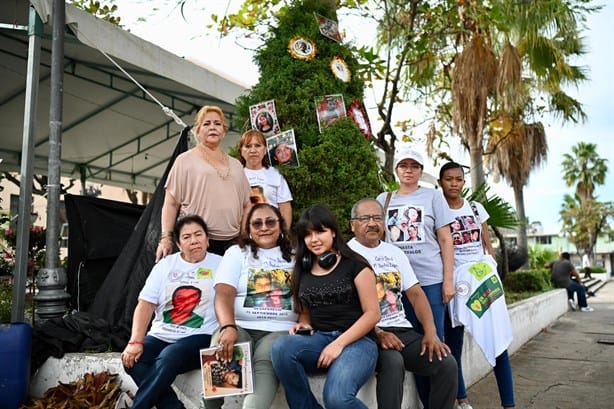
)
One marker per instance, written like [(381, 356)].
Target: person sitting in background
[(179, 290), (562, 273)]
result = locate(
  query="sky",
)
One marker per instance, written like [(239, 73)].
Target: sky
[(543, 195)]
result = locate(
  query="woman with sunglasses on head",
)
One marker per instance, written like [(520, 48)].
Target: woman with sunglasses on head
[(253, 299), (452, 181), (336, 299), (260, 174)]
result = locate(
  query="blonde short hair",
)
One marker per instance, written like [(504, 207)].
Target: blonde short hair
[(200, 116)]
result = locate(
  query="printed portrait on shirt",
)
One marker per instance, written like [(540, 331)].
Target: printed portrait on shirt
[(268, 289), (461, 232), (184, 307), (405, 224), (388, 293)]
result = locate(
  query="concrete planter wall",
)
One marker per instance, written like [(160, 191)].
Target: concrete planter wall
[(528, 318)]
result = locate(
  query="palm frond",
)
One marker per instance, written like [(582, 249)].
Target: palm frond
[(502, 214)]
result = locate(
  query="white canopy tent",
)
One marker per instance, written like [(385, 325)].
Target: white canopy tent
[(112, 133), (124, 102)]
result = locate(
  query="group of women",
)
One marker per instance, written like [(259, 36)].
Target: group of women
[(326, 299)]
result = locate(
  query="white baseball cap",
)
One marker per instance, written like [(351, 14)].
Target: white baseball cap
[(408, 153)]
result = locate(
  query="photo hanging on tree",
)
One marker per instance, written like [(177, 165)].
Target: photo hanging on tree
[(359, 115), (282, 149), (302, 48), (328, 28), (340, 69), (329, 108), (264, 117)]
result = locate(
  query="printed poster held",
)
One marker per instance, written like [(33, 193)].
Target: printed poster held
[(226, 378)]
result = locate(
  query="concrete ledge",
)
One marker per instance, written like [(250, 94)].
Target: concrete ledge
[(528, 318)]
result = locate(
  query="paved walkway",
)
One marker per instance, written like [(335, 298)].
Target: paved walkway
[(567, 366)]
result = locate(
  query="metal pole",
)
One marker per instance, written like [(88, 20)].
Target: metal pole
[(35, 30), (51, 298)]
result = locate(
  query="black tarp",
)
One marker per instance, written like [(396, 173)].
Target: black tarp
[(98, 229), (117, 297), (107, 323)]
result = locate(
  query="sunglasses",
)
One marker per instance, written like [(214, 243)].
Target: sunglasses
[(258, 223)]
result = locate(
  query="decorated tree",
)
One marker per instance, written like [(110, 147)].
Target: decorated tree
[(305, 72)]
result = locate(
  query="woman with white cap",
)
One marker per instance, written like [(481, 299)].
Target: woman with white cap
[(432, 255)]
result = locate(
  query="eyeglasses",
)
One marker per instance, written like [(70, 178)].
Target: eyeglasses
[(412, 166), (258, 223), (377, 218)]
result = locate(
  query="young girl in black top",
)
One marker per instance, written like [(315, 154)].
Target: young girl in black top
[(336, 298)]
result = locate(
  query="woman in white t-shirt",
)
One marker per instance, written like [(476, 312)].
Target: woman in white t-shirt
[(254, 298), (267, 184), (179, 290), (452, 181)]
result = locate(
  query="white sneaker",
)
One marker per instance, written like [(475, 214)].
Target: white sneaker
[(587, 309), (573, 304), (464, 405)]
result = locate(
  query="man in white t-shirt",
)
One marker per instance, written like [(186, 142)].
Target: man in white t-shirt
[(400, 346)]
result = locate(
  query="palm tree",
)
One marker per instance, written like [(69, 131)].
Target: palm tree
[(536, 43), (516, 149), (584, 169)]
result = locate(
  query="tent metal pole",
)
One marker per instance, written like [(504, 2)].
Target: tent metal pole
[(51, 280), (35, 31)]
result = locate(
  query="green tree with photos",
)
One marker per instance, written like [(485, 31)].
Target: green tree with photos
[(338, 164)]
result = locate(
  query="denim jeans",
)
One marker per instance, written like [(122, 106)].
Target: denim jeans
[(296, 356), (391, 366), (434, 295), (158, 367), (265, 380), (503, 368), (576, 287)]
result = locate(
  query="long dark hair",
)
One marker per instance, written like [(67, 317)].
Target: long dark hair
[(317, 218), (283, 241)]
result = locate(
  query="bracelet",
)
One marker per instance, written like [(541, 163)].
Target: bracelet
[(136, 343), (223, 327), (165, 234)]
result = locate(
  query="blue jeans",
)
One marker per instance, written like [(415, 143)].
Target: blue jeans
[(296, 356), (434, 295), (503, 368), (576, 287), (158, 367)]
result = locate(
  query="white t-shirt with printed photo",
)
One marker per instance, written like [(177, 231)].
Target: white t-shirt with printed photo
[(183, 294), (418, 215), (273, 184), (395, 274), (467, 251), (270, 309)]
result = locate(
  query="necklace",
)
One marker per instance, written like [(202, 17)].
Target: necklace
[(224, 171)]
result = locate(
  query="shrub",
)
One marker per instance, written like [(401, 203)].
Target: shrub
[(6, 295), (528, 280)]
